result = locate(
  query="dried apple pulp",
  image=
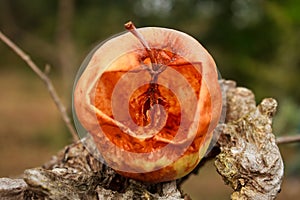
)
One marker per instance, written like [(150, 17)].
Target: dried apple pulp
[(155, 98)]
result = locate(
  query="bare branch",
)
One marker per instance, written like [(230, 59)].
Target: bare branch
[(45, 79), (288, 139), (249, 160)]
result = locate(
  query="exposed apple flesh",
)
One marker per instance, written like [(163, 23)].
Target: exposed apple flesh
[(151, 111)]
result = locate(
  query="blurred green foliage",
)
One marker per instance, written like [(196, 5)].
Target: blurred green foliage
[(254, 42)]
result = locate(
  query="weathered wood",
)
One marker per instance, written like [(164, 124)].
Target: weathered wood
[(249, 161), (12, 188)]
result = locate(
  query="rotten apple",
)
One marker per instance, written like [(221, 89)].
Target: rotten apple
[(150, 98)]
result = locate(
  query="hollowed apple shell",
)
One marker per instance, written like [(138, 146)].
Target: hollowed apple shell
[(112, 95)]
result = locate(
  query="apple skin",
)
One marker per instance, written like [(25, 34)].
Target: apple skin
[(112, 90)]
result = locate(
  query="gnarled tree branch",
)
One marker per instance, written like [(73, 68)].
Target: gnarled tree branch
[(248, 160)]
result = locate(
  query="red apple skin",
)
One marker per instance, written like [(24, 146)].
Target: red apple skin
[(165, 155)]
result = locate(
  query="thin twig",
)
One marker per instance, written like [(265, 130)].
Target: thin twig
[(46, 80), (288, 139)]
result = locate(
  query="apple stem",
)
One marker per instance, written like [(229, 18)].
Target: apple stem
[(130, 27)]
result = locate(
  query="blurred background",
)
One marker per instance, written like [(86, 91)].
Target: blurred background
[(254, 42)]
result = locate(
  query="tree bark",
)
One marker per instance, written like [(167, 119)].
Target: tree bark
[(246, 156)]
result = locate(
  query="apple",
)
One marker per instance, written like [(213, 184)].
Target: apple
[(150, 98)]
